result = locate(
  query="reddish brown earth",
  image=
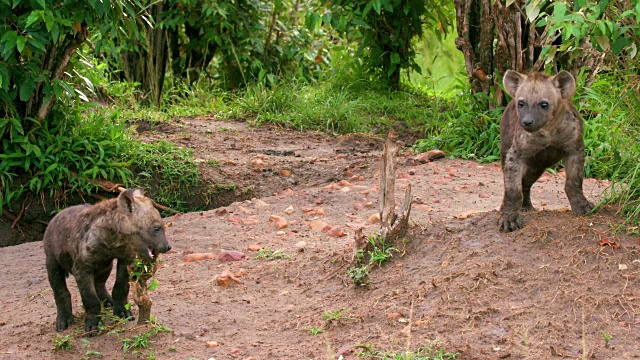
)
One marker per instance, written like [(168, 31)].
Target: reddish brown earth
[(547, 291)]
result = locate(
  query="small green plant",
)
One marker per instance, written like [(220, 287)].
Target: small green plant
[(62, 342), (172, 348), (270, 254), (381, 250), (606, 337), (336, 315), (142, 268), (142, 341), (359, 275), (314, 331), (91, 353), (425, 352), (213, 163)]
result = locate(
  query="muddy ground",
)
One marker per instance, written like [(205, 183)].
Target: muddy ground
[(550, 290)]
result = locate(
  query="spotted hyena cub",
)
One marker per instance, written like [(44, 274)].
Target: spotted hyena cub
[(539, 127), (83, 240)]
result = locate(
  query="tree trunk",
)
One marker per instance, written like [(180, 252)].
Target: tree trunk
[(494, 38), (147, 66)]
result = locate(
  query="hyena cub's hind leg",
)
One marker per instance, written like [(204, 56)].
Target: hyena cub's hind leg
[(57, 279), (100, 279)]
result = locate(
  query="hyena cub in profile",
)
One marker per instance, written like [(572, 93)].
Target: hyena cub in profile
[(84, 239), (539, 127)]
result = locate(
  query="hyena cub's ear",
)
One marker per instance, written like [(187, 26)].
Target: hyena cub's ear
[(126, 202), (138, 192), (565, 82), (512, 81)]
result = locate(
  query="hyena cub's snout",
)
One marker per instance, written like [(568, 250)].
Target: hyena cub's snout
[(533, 116), (153, 243)]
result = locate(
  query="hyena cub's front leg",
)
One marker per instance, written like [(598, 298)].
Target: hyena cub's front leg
[(512, 201), (574, 165)]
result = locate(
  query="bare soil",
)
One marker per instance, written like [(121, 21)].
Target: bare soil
[(547, 291)]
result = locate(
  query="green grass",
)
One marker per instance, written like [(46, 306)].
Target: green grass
[(425, 352)]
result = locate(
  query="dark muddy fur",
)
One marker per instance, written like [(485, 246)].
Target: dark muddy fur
[(84, 240), (539, 127)]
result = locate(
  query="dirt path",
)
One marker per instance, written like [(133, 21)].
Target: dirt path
[(547, 290)]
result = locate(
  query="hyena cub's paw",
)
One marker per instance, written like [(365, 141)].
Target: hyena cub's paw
[(123, 313), (509, 223), (91, 325), (583, 208), (63, 322)]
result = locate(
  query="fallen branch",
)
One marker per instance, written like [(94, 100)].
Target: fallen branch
[(108, 186), (22, 210)]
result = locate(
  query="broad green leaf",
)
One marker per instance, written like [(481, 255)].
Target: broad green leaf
[(395, 58), (509, 2), (42, 4), (620, 44), (26, 89), (377, 6), (34, 16), (37, 44), (603, 41), (51, 168), (532, 10), (326, 18), (20, 43), (559, 10)]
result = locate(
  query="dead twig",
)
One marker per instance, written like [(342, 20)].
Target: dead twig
[(23, 209)]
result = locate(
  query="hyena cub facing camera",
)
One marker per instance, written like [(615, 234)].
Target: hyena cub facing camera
[(83, 240), (539, 127)]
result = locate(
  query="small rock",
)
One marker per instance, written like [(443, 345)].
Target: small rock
[(412, 171), (221, 211), (429, 156), (284, 172), (394, 315), (301, 245), (288, 210), (251, 220), (198, 256), (212, 344), (368, 204), (345, 189), (234, 219), (235, 351), (373, 219), (316, 225), (319, 201), (483, 196), (244, 210), (336, 232), (278, 221), (344, 183), (354, 178), (241, 272), (231, 256), (358, 206), (226, 278), (320, 211), (256, 163), (259, 203), (281, 233), (254, 247)]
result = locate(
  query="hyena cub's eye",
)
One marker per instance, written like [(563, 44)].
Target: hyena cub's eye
[(521, 103), (156, 229), (544, 105)]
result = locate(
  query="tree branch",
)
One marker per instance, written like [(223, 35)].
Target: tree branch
[(58, 71)]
